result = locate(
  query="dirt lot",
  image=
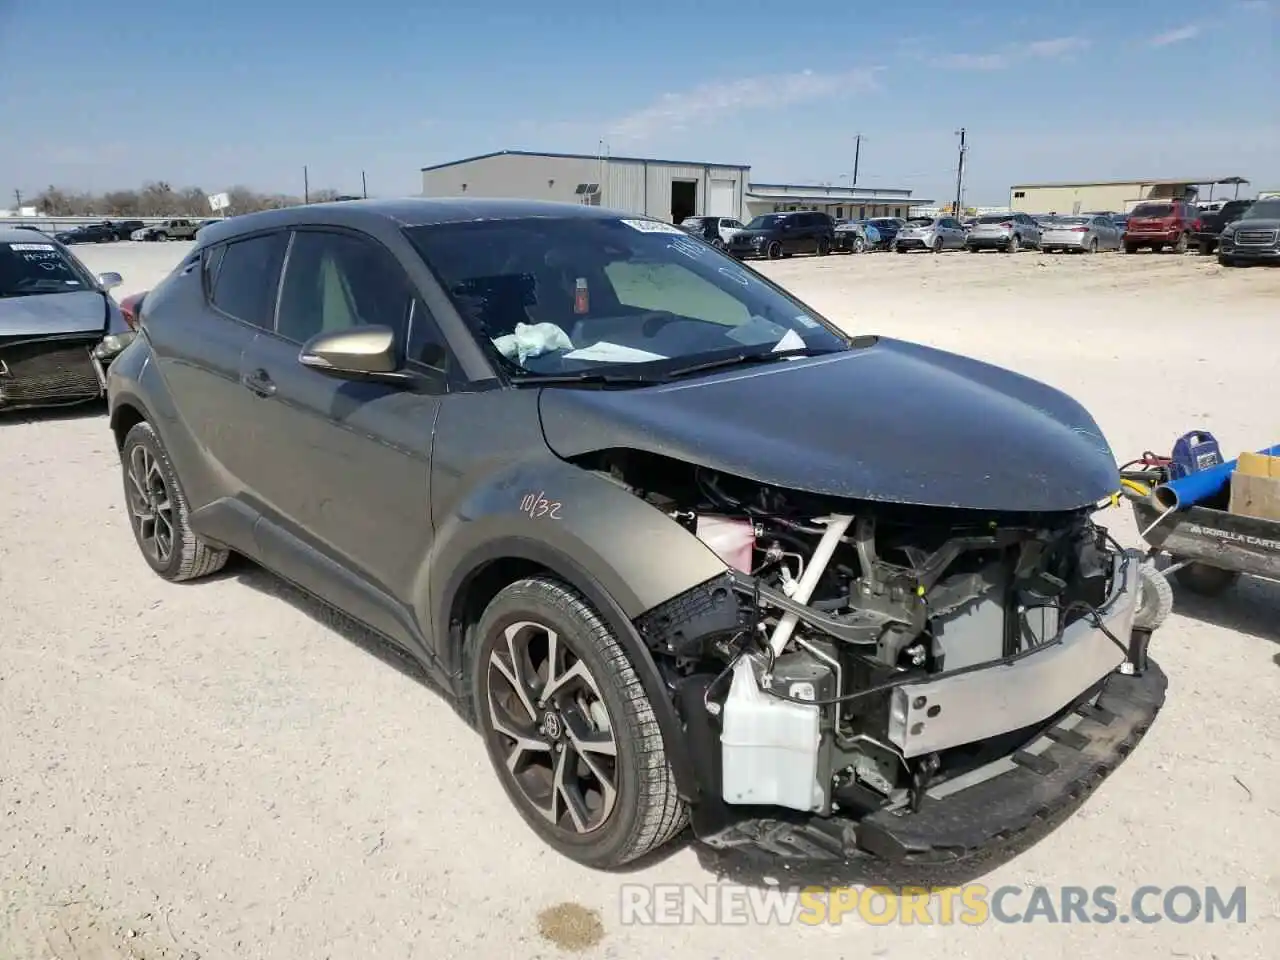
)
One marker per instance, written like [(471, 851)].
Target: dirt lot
[(223, 770)]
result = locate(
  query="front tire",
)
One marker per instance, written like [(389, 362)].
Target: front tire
[(774, 250), (569, 728), (158, 511)]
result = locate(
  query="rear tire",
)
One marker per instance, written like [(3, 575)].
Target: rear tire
[(587, 770), (158, 511), (1092, 247), (1012, 246)]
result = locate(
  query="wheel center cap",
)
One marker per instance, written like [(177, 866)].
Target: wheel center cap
[(552, 726)]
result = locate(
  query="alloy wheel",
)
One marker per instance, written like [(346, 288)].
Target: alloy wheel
[(553, 728), (150, 505)]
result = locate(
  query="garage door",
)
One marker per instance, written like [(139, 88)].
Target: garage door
[(721, 202)]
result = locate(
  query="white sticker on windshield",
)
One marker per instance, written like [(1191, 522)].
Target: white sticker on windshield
[(806, 321), (737, 276), (31, 246), (790, 341), (654, 226), (690, 248), (605, 352)]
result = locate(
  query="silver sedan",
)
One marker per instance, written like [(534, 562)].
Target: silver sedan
[(1084, 233)]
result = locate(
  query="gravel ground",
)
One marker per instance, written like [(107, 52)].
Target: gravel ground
[(223, 769)]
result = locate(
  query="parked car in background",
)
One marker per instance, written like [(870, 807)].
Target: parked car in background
[(775, 235), (888, 228), (716, 231), (575, 531), (1254, 237), (179, 229), (123, 229), (855, 236), (59, 327), (1006, 232), (1085, 233), (1121, 220), (1158, 224), (933, 234), (1209, 225), (88, 233)]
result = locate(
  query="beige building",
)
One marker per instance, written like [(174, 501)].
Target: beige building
[(1113, 196), (666, 189)]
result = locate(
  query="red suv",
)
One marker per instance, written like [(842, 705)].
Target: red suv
[(1158, 224)]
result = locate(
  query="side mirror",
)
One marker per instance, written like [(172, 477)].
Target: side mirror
[(109, 281), (360, 353)]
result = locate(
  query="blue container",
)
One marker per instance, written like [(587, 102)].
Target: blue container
[(1199, 487), (1194, 452)]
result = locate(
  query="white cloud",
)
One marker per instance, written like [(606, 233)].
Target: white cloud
[(713, 101), (976, 61), (1177, 35), (1057, 47), (1053, 48)]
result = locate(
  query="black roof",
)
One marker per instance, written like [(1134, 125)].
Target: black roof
[(404, 212)]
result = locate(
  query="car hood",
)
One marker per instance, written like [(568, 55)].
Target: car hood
[(1258, 223), (745, 234), (893, 422), (53, 314)]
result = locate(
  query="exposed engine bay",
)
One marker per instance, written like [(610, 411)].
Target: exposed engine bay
[(865, 652)]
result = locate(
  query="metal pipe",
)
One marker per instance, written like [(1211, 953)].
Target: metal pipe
[(836, 527)]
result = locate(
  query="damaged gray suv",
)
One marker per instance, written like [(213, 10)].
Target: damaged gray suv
[(681, 550)]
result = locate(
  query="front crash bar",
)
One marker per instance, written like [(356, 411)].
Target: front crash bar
[(983, 702)]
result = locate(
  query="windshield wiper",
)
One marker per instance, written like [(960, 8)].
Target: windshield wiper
[(735, 359), (584, 377)]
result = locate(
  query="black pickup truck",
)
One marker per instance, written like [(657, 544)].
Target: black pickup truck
[(1208, 226)]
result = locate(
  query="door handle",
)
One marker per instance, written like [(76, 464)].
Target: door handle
[(259, 382)]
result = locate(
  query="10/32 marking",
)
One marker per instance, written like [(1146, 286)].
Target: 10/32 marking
[(537, 505)]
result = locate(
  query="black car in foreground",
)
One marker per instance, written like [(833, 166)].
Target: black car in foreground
[(59, 327), (681, 549), (1254, 237), (1209, 224)]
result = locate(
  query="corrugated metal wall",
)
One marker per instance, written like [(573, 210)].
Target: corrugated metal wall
[(624, 186)]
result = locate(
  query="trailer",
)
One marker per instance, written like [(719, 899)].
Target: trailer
[(1203, 547)]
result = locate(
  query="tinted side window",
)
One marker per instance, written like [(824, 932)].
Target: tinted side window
[(334, 281), (245, 284)]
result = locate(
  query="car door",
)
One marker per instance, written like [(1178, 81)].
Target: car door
[(200, 321), (342, 467)]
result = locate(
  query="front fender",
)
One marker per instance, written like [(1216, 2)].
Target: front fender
[(544, 507)]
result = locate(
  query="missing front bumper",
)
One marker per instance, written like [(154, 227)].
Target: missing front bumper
[(991, 808), (987, 701)]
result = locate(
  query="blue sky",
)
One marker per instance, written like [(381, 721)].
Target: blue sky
[(103, 95)]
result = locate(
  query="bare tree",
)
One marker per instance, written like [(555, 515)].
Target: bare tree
[(160, 199)]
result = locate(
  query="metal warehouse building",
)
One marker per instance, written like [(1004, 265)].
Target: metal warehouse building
[(667, 189), (1119, 196)]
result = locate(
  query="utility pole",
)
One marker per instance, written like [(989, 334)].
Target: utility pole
[(960, 171), (17, 200), (857, 154), (364, 185), (306, 186)]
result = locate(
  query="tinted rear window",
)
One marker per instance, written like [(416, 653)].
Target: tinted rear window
[(1152, 210), (245, 284)]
